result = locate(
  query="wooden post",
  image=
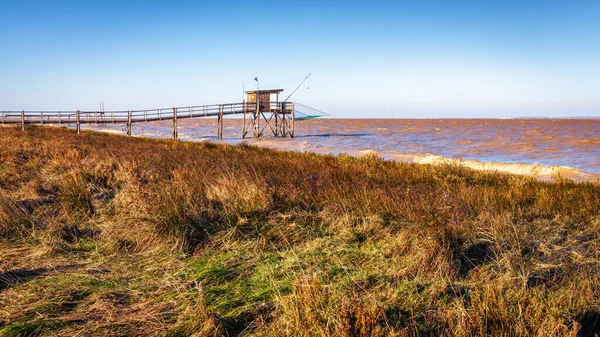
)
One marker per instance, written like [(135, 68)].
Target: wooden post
[(159, 115), (145, 115), (3, 116), (129, 123), (41, 118), (22, 120), (220, 123), (59, 120), (175, 123), (112, 117), (244, 127), (293, 118), (77, 122), (257, 120)]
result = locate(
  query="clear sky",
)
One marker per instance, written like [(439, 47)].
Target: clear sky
[(367, 59)]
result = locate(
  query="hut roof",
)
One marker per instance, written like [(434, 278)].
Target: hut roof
[(265, 91)]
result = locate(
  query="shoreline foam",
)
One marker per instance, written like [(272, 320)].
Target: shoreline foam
[(538, 171)]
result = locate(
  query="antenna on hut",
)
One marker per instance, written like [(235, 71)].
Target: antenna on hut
[(304, 80)]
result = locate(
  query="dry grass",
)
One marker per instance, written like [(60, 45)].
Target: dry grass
[(110, 235)]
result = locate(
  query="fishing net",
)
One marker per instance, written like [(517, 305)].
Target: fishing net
[(303, 112)]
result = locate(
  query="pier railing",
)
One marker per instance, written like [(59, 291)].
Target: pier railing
[(133, 116), (78, 117)]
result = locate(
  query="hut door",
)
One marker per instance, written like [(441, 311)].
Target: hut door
[(264, 101)]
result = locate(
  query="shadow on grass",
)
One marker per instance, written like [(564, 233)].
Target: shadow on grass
[(473, 256), (11, 278), (590, 324)]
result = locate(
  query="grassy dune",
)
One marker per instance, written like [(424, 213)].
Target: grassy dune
[(109, 235)]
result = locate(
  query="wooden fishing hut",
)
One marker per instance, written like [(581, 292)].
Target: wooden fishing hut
[(261, 109), (264, 108)]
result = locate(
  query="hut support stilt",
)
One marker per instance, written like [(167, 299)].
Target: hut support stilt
[(293, 118)]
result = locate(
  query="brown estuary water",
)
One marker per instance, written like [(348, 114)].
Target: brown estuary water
[(541, 148)]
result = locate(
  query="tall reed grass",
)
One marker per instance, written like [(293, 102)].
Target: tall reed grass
[(109, 235)]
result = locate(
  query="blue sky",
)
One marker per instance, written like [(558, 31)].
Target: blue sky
[(368, 59)]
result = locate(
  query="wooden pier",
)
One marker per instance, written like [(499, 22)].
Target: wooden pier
[(276, 117)]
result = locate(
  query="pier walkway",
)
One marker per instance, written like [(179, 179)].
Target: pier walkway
[(278, 117)]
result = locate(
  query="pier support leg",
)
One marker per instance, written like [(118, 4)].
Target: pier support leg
[(257, 125), (244, 127), (220, 123), (175, 123), (77, 122), (293, 118), (284, 120), (256, 120), (129, 123)]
